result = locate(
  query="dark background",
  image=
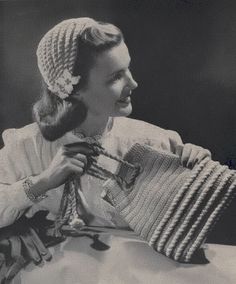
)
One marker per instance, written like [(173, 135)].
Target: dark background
[(183, 57)]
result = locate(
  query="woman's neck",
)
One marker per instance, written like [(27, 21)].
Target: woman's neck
[(94, 125)]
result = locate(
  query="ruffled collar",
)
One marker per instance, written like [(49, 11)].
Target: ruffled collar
[(98, 137)]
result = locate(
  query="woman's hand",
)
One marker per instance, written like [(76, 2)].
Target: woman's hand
[(190, 154), (71, 159)]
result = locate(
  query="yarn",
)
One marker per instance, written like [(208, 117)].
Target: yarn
[(170, 206), (68, 211), (57, 52)]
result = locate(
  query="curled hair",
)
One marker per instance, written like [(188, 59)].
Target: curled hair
[(55, 116)]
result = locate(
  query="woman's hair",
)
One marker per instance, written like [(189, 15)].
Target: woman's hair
[(56, 116)]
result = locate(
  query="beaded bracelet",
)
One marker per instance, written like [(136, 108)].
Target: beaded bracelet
[(27, 185)]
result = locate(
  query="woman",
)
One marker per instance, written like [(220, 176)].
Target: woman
[(87, 87), (87, 93)]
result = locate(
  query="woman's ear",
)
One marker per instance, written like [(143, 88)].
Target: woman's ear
[(77, 95), (78, 90), (80, 95)]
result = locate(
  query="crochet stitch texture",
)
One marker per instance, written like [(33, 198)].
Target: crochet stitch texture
[(57, 52), (170, 206)]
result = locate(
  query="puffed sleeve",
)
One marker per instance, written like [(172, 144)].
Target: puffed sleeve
[(174, 140), (15, 165), (155, 136), (169, 140)]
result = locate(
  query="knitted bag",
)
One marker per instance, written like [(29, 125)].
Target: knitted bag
[(168, 205)]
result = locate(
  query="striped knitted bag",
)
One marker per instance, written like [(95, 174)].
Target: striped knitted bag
[(168, 205)]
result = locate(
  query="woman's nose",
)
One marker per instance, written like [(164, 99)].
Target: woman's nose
[(131, 82)]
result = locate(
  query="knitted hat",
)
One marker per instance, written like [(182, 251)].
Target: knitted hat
[(57, 52), (170, 206)]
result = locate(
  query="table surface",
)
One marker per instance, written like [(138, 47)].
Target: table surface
[(123, 258)]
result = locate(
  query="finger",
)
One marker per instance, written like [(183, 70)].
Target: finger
[(91, 160), (80, 157), (14, 269), (6, 249), (179, 150), (80, 147), (44, 252), (185, 154), (30, 249), (18, 259), (192, 157), (202, 155), (78, 163), (87, 144), (72, 153), (15, 247), (173, 145), (78, 144), (4, 245), (75, 170)]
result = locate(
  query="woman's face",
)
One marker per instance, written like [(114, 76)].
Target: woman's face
[(110, 84)]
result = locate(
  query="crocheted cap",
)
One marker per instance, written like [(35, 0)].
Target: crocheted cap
[(57, 52), (172, 207)]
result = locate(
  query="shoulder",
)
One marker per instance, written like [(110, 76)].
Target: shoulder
[(27, 139), (20, 152), (138, 128), (28, 131), (26, 150), (135, 125), (129, 131), (17, 136)]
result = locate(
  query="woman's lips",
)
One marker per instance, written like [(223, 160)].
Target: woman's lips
[(125, 100)]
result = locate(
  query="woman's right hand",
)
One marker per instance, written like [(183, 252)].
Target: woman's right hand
[(70, 159)]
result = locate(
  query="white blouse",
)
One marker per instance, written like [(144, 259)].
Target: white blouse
[(26, 153)]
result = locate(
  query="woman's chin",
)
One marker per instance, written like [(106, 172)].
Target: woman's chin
[(124, 110)]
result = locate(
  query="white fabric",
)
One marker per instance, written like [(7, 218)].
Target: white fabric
[(27, 153), (128, 261)]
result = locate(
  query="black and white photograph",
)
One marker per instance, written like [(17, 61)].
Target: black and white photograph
[(117, 141)]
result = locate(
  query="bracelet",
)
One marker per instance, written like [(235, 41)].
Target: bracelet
[(27, 185)]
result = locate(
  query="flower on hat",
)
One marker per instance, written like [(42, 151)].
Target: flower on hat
[(64, 84)]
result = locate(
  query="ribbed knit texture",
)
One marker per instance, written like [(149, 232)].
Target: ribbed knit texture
[(57, 50), (170, 206)]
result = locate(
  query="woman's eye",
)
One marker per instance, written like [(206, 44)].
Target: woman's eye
[(116, 77), (119, 75)]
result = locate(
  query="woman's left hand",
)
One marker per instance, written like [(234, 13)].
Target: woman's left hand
[(189, 154)]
